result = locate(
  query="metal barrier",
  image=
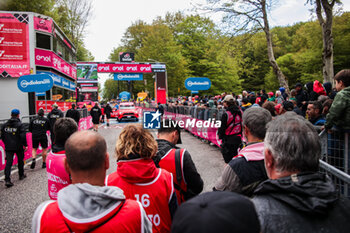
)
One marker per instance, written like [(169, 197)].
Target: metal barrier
[(335, 159)]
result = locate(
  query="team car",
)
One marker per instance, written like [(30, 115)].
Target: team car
[(126, 111)]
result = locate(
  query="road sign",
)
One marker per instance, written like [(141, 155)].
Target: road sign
[(35, 83)]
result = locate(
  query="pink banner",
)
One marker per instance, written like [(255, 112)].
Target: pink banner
[(84, 124), (14, 45), (27, 153), (124, 68), (50, 59), (43, 24)]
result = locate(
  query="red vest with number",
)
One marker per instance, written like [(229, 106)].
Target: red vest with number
[(141, 180), (234, 124), (168, 163), (128, 219)]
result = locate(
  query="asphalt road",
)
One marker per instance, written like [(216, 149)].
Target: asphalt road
[(18, 203)]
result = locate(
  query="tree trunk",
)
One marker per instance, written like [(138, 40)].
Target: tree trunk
[(326, 25), (276, 69)]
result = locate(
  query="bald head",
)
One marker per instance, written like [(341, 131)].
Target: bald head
[(85, 151)]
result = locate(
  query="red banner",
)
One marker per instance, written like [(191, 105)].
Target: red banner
[(124, 68), (14, 46), (50, 59), (63, 106)]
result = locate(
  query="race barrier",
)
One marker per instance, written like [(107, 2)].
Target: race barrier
[(85, 123)]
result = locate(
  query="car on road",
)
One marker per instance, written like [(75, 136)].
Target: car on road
[(126, 111)]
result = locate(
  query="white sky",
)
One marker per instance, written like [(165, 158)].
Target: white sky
[(111, 18)]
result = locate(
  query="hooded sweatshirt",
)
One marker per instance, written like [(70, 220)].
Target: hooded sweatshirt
[(306, 202), (339, 113), (13, 135), (84, 207)]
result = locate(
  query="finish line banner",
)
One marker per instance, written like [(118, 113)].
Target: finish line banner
[(128, 77)]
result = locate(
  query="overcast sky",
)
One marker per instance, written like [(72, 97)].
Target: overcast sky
[(111, 18)]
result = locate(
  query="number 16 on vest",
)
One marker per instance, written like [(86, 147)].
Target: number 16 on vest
[(155, 219)]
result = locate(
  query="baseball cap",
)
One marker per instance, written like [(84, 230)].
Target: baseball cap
[(213, 212), (228, 98), (15, 112), (55, 105), (298, 85)]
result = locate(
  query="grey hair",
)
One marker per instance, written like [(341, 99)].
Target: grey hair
[(293, 143), (256, 119)]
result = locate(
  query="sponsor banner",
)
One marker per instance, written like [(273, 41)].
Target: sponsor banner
[(35, 83), (60, 81), (128, 77), (14, 45), (63, 106), (87, 72), (84, 124), (124, 68), (27, 154), (126, 57), (158, 68), (197, 84), (40, 93), (44, 25), (50, 59), (89, 89), (208, 133)]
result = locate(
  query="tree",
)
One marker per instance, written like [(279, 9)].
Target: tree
[(77, 13), (250, 16), (38, 6), (324, 12)]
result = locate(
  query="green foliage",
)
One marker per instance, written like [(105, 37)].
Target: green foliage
[(191, 46), (39, 6)]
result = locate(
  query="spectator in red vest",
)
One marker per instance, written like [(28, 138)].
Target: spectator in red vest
[(140, 179), (187, 181), (87, 205)]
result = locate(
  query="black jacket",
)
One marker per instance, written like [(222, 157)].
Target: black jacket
[(53, 116), (13, 135), (108, 109), (192, 177), (73, 113), (38, 126), (95, 113), (221, 131), (305, 203)]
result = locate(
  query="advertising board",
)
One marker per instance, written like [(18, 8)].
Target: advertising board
[(124, 68), (128, 77), (197, 84), (50, 59), (14, 45), (35, 83)]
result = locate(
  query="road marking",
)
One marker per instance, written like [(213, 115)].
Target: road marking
[(25, 165)]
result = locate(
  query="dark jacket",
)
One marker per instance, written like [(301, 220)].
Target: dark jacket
[(192, 177), (38, 126), (305, 203), (13, 135), (301, 97), (221, 131), (74, 114), (95, 112), (108, 109), (53, 116)]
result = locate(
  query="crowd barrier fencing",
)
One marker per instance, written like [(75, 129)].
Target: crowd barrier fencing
[(85, 123), (335, 159)]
